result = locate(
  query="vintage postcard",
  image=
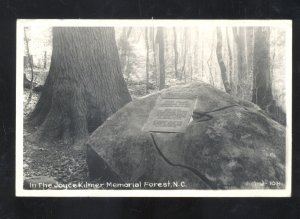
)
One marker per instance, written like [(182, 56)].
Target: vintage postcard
[(154, 108)]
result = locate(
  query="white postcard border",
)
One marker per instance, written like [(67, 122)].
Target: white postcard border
[(21, 23)]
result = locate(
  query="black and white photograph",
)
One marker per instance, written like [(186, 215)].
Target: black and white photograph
[(154, 108)]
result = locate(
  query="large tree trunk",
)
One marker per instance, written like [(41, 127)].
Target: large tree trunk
[(221, 62), (85, 84), (160, 41), (262, 89)]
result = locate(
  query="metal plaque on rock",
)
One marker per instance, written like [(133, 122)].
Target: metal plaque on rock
[(170, 115)]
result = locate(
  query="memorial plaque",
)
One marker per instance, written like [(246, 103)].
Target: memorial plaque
[(170, 115)]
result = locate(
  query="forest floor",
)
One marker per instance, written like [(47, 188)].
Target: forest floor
[(50, 159), (57, 160)]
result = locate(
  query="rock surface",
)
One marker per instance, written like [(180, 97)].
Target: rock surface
[(235, 145)]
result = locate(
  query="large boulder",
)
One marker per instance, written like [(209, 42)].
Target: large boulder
[(234, 146)]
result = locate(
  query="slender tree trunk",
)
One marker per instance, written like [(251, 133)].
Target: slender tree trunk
[(209, 64), (147, 59), (230, 59), (160, 41), (125, 51), (128, 32), (184, 55), (202, 59), (154, 55), (241, 60), (245, 53), (30, 58), (196, 52), (250, 34), (127, 69), (45, 59), (262, 89), (191, 69), (221, 62), (84, 86), (175, 52)]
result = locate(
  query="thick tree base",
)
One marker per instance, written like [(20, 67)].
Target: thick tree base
[(84, 86)]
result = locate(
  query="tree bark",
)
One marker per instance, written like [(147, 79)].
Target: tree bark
[(84, 86), (262, 89), (175, 52), (160, 41), (221, 62)]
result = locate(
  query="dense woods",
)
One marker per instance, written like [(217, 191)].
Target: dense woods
[(246, 62)]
